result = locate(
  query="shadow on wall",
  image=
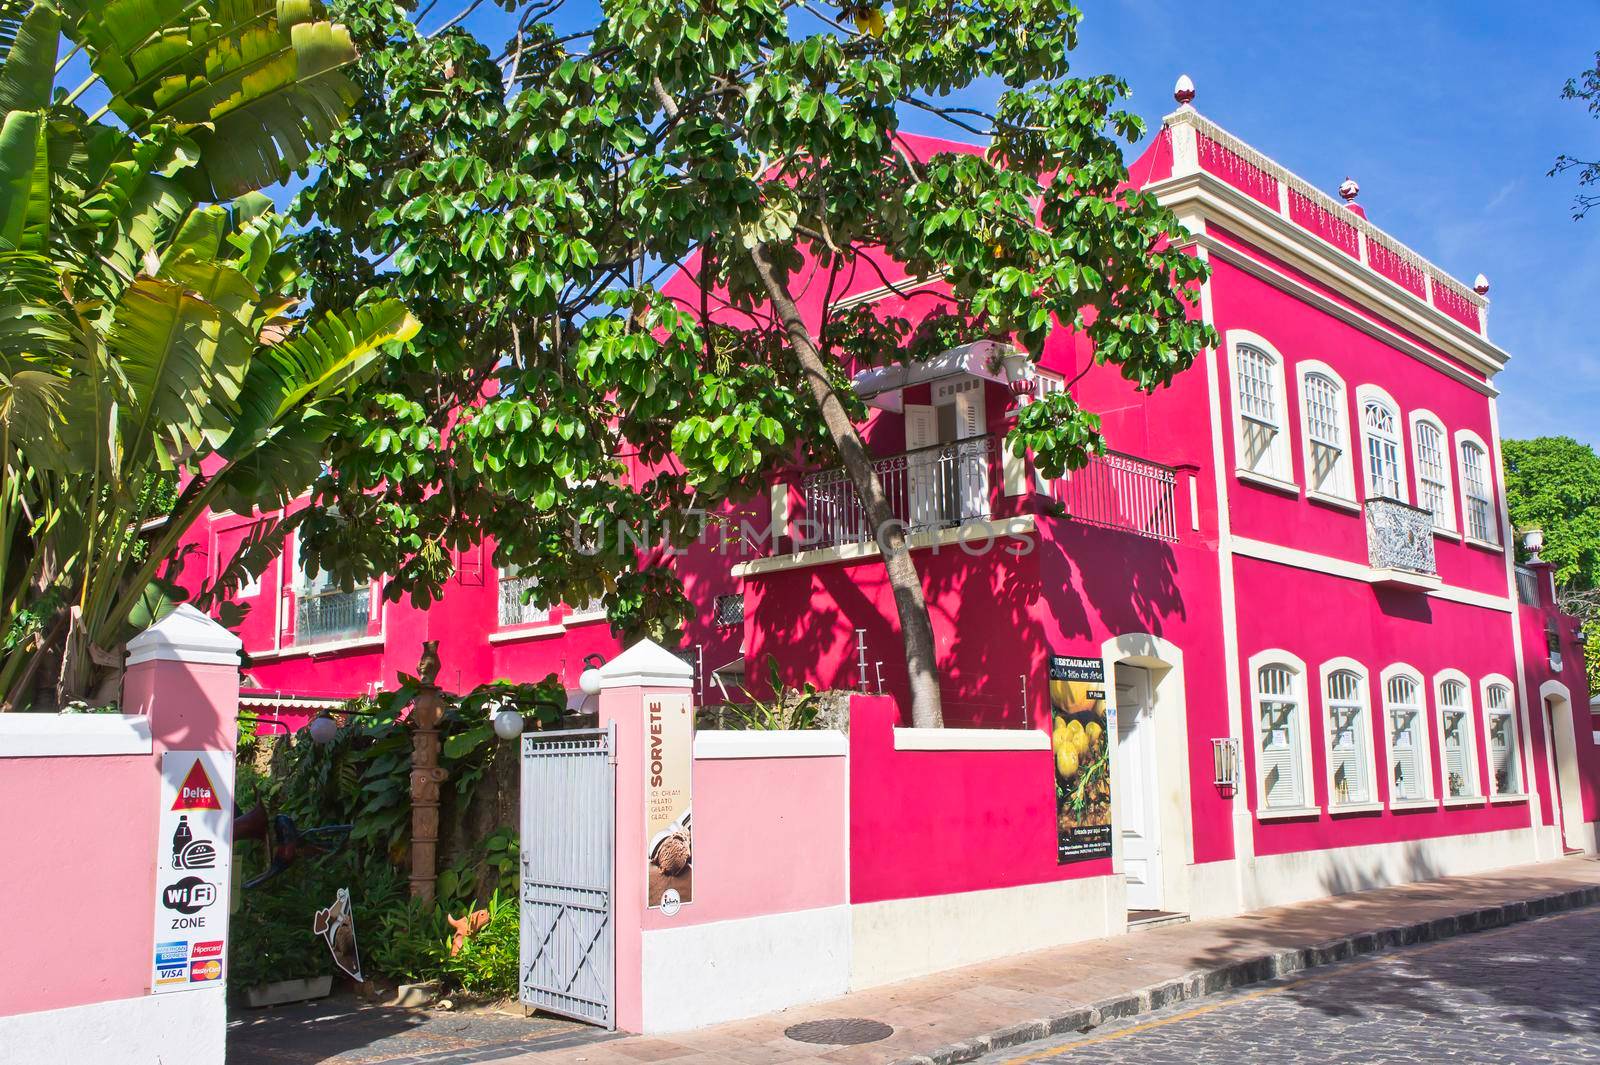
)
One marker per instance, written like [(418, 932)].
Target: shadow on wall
[(996, 615), (1129, 582)]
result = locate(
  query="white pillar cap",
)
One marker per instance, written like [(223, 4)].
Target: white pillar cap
[(185, 635), (647, 665)]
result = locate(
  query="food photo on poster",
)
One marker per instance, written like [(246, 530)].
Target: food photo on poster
[(1079, 740)]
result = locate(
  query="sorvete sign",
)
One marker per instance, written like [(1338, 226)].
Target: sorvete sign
[(669, 768), (193, 866)]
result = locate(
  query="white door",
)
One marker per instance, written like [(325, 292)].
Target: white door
[(972, 459), (922, 487), (1133, 775), (1564, 748)]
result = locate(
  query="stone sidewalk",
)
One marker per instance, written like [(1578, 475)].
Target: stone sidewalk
[(963, 1014)]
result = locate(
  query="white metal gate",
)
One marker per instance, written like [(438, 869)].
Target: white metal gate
[(568, 821)]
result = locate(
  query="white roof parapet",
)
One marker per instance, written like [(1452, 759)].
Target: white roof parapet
[(1190, 117)]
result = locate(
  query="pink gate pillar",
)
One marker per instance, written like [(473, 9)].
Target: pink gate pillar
[(81, 836), (628, 683)]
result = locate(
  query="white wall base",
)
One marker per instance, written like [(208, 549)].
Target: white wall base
[(190, 1027), (902, 938), (1278, 879), (1213, 890), (696, 975)]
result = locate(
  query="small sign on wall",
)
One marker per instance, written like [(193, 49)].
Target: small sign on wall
[(668, 769), (1081, 742), (193, 866)]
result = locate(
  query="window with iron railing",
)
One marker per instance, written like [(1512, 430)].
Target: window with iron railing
[(930, 488), (516, 604), (728, 610), (324, 612), (1527, 586)]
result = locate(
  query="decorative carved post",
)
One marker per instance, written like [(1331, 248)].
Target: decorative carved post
[(426, 774)]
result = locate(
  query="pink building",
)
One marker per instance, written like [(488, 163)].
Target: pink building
[(1293, 572)]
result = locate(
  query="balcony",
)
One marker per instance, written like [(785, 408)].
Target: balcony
[(1400, 545), (1117, 491), (936, 487), (324, 617)]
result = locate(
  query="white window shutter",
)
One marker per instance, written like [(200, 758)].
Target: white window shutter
[(970, 417), (1280, 756), (1407, 782), (971, 459), (922, 481)]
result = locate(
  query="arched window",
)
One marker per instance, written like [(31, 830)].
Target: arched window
[(1349, 733), (1456, 741), (1281, 730), (1500, 727), (1407, 728), (1431, 448), (1327, 432), (1476, 503), (1258, 381), (1380, 424)]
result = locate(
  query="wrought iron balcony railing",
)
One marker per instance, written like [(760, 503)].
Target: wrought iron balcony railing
[(1527, 586), (322, 617), (515, 608), (1117, 491), (1400, 537), (930, 488)]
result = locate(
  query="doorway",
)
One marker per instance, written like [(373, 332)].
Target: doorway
[(1564, 752), (947, 458), (1134, 781)]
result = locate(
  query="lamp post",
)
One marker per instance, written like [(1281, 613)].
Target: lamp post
[(426, 774)]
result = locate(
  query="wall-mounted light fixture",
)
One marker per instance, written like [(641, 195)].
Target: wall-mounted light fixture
[(1225, 763)]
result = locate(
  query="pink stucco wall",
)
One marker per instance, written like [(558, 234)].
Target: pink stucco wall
[(940, 822), (769, 837), (79, 839)]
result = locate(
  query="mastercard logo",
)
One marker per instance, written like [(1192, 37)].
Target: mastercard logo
[(205, 970)]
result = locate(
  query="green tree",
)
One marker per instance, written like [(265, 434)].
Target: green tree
[(1553, 484), (151, 363), (524, 201), (1586, 88)]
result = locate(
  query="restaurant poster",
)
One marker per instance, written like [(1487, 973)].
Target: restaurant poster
[(669, 767), (1080, 739)]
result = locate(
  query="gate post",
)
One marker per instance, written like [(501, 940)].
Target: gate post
[(643, 676)]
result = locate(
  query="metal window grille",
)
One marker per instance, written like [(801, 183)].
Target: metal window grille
[(1475, 486), (1347, 737), (1435, 497), (1406, 746), (1527, 586), (728, 610), (1383, 451), (325, 616), (1279, 711), (515, 606)]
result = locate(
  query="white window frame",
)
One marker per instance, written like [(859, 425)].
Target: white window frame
[(1421, 740), (1443, 524), (1464, 437), (1509, 711), (1474, 793), (1340, 485), (538, 617), (1367, 395), (1366, 756), (1307, 805), (298, 586), (1276, 465)]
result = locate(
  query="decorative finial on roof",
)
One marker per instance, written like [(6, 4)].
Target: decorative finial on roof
[(1349, 189), (1480, 285), (1183, 91)]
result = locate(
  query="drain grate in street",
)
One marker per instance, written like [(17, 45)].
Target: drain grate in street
[(846, 1031)]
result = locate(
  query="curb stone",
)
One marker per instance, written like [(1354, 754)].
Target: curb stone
[(1256, 970)]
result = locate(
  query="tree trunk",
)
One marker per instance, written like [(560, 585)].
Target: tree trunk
[(916, 629)]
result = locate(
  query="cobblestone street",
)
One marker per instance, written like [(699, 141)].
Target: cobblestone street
[(1529, 993)]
